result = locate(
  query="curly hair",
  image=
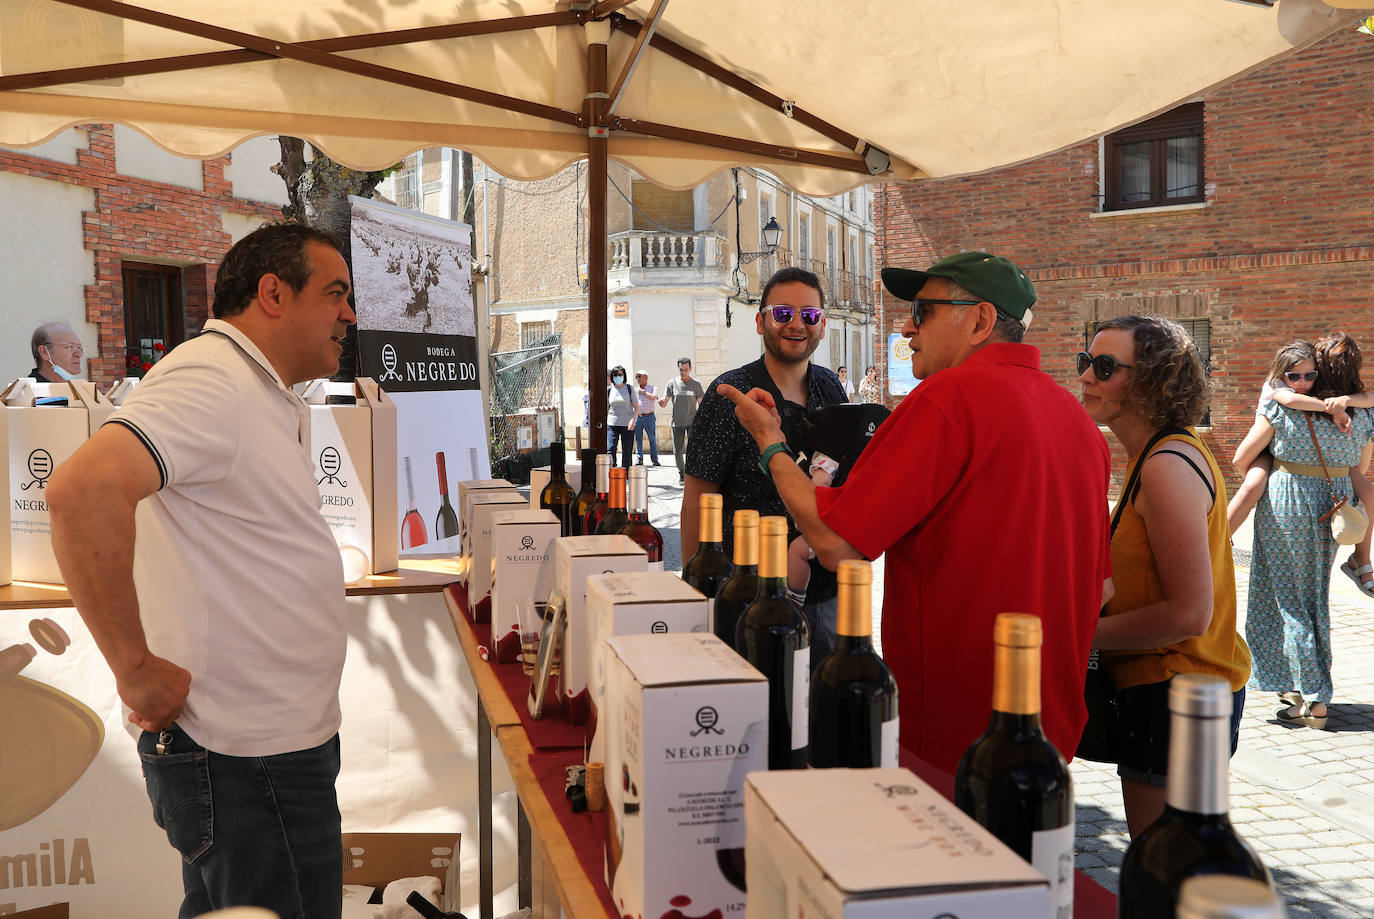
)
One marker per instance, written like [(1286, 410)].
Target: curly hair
[(1289, 356), (1338, 361), (275, 248), (1168, 381)]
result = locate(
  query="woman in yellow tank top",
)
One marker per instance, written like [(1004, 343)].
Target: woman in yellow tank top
[(1174, 609)]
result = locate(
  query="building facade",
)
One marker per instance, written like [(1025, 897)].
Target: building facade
[(1248, 216), (105, 231)]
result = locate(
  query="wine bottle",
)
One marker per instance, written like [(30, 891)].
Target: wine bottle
[(1194, 834), (598, 508), (774, 638), (412, 524), (853, 693), (586, 494), (739, 591), (446, 521), (708, 569), (1224, 896), (1012, 780), (616, 517), (638, 527), (557, 495)]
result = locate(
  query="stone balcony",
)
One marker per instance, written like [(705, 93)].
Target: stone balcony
[(844, 289), (651, 258)]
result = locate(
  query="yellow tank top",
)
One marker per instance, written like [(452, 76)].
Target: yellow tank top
[(1220, 650)]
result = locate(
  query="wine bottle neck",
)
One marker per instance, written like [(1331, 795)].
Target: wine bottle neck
[(773, 587), (443, 475), (709, 528), (773, 557), (557, 462), (1016, 680), (1014, 723), (746, 549), (851, 643), (853, 615), (410, 484), (638, 500), (1199, 764)]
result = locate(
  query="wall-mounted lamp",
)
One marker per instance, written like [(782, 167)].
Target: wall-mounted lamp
[(772, 235)]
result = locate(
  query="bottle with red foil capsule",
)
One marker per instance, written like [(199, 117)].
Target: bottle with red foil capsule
[(639, 529), (586, 496), (446, 521), (616, 516), (592, 519), (412, 525)]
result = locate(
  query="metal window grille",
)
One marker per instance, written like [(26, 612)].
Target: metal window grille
[(525, 385)]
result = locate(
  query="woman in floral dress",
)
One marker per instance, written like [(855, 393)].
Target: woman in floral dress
[(1288, 621)]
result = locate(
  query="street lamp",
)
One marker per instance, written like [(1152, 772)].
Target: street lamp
[(772, 235)]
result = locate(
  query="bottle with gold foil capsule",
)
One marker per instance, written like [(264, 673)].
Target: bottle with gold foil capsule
[(853, 693), (616, 517), (739, 591), (709, 569), (774, 638), (1012, 780)]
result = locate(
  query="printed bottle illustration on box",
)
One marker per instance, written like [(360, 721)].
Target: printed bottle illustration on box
[(61, 735), (412, 525)]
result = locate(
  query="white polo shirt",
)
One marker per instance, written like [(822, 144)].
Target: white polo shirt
[(238, 575)]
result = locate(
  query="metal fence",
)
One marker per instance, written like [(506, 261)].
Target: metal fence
[(526, 407)]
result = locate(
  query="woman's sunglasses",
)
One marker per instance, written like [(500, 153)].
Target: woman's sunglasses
[(1293, 376), (1104, 365), (782, 315)]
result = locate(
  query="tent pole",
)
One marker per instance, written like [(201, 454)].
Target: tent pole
[(597, 144)]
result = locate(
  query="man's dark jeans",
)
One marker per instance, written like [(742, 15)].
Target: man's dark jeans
[(251, 830)]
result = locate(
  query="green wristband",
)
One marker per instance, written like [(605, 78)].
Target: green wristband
[(769, 452)]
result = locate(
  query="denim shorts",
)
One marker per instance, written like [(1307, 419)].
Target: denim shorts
[(1144, 741)]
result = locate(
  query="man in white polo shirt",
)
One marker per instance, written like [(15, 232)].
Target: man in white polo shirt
[(224, 621)]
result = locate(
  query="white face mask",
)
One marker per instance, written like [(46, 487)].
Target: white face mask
[(617, 380)]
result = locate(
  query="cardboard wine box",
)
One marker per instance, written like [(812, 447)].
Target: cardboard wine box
[(539, 477), (876, 844), (522, 541), (483, 505), (377, 859), (47, 423), (354, 451), (122, 390), (690, 721), (464, 508), (635, 603), (577, 558)]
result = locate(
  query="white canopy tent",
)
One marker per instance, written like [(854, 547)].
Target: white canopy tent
[(824, 95)]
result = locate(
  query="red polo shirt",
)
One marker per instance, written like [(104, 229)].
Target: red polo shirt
[(987, 489)]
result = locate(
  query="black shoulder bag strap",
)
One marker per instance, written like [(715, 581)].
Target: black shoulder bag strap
[(1133, 483)]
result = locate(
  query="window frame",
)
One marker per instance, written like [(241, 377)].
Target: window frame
[(1184, 121)]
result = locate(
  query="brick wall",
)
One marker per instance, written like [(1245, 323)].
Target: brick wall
[(142, 221), (657, 207), (1284, 248)]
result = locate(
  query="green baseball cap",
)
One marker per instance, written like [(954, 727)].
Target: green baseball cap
[(989, 277)]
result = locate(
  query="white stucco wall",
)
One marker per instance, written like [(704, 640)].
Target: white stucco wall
[(250, 171), (61, 148), (137, 156), (47, 265), (237, 225)]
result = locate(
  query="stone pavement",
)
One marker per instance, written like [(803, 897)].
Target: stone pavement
[(1304, 799)]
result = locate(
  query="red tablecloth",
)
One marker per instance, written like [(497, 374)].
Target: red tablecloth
[(558, 744)]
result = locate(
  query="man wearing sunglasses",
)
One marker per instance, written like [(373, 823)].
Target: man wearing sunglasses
[(722, 457), (986, 489)]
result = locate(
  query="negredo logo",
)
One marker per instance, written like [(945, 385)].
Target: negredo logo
[(330, 464), (389, 362), (40, 467), (707, 718), (527, 543)]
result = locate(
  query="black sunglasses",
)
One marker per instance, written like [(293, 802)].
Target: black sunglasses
[(1104, 365), (782, 315), (1293, 376), (920, 306)]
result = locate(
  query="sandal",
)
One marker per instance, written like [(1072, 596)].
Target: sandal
[(1291, 698), (1302, 714), (1362, 576)]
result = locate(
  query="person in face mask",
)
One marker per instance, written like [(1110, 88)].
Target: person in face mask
[(620, 415), (57, 353)]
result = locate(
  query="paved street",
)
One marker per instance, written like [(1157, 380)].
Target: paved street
[(1304, 799)]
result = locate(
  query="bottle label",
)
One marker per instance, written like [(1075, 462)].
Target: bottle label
[(711, 615), (1052, 856), (801, 697), (890, 742), (656, 566)]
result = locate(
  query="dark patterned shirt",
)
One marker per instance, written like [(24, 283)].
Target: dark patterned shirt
[(720, 450)]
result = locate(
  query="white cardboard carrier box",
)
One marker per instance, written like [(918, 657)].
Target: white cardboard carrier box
[(539, 477), (464, 508), (523, 544), (690, 723), (484, 504), (635, 603), (876, 844), (354, 451), (42, 437), (577, 558), (122, 390)]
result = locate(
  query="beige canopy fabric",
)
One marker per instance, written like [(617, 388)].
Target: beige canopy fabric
[(937, 87)]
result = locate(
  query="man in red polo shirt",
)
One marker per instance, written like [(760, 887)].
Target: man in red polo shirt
[(987, 489)]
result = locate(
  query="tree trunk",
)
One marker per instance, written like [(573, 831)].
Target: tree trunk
[(318, 191)]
